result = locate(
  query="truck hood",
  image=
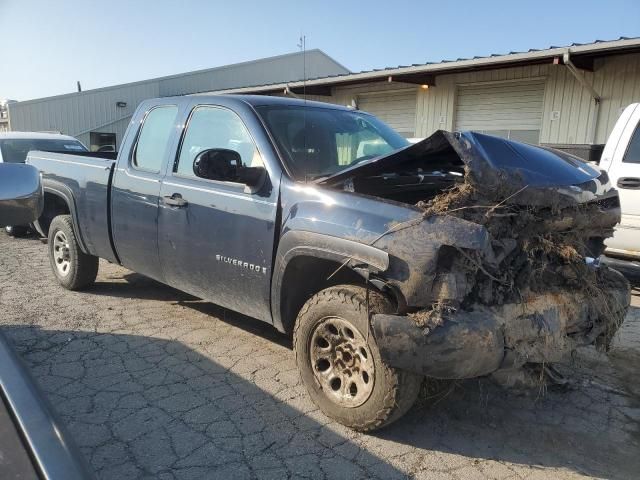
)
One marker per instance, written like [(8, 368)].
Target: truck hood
[(488, 158)]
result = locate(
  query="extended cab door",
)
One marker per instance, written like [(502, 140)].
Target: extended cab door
[(136, 188), (621, 159), (216, 237)]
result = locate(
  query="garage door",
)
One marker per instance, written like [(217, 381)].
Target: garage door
[(397, 109), (510, 110)]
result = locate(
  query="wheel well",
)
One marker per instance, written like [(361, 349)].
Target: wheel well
[(304, 277), (54, 205)]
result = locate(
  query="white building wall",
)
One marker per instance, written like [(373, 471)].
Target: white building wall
[(79, 113), (618, 82), (616, 79), (290, 67), (578, 120)]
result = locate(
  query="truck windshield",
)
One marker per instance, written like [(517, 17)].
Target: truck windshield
[(318, 142), (15, 150)]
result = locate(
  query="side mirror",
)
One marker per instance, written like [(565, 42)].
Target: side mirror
[(226, 166), (21, 196)]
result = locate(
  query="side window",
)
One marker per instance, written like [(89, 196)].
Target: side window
[(215, 127), (154, 138), (632, 154)]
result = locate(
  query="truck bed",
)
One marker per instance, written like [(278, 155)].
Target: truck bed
[(84, 180)]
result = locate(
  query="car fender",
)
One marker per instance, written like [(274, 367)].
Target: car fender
[(62, 191), (312, 244)]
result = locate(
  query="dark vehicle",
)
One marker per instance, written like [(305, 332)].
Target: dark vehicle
[(461, 256), (14, 147), (33, 444)]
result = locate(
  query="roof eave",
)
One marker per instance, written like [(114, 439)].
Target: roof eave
[(449, 67)]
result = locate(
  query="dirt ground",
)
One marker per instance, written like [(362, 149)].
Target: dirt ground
[(153, 383)]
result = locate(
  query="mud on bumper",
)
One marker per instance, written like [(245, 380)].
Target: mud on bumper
[(544, 328)]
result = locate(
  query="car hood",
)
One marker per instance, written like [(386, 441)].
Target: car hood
[(488, 158)]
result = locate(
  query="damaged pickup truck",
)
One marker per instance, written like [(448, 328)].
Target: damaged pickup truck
[(461, 256)]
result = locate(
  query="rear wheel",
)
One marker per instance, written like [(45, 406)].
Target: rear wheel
[(340, 363), (16, 231), (73, 268)]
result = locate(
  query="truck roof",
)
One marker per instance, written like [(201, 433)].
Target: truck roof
[(259, 100), (34, 136)]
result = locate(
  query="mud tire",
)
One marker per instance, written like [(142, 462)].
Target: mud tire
[(394, 391), (82, 268)]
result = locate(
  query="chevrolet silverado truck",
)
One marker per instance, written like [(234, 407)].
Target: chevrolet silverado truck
[(463, 255)]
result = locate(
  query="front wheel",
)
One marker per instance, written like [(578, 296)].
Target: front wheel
[(340, 363), (73, 268)]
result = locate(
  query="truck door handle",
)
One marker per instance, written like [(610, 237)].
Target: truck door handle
[(631, 183), (175, 200)]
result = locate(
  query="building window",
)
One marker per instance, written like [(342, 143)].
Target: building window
[(102, 142)]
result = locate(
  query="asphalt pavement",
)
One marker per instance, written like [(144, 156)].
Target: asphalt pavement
[(153, 383)]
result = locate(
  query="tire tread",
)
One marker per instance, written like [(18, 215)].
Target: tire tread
[(85, 268), (404, 387)]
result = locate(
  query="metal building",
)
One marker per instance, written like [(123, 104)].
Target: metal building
[(560, 95), (4, 114), (99, 117)]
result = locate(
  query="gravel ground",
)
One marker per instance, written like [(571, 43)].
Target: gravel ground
[(154, 383)]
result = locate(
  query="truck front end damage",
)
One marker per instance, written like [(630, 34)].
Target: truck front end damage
[(500, 274)]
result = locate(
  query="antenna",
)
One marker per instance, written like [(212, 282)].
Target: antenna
[(302, 45)]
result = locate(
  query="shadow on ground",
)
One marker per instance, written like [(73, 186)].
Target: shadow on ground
[(134, 285), (141, 405)]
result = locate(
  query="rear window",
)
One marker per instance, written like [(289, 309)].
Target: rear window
[(15, 150), (153, 141)]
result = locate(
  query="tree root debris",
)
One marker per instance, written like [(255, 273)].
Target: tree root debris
[(541, 247)]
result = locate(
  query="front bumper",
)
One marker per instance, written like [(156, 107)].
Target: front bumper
[(543, 328)]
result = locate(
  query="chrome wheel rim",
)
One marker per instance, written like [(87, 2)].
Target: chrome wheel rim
[(61, 254), (342, 362)]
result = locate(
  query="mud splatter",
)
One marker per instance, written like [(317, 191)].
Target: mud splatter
[(540, 249)]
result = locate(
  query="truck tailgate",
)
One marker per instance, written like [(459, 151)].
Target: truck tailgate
[(85, 183)]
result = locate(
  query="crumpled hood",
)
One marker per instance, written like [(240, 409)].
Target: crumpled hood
[(489, 158)]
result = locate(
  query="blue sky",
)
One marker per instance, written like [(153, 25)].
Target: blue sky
[(45, 46)]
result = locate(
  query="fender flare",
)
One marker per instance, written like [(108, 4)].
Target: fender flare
[(62, 191), (311, 244)]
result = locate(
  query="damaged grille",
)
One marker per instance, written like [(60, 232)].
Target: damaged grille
[(538, 248)]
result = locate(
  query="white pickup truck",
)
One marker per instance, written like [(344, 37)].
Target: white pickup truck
[(621, 160)]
